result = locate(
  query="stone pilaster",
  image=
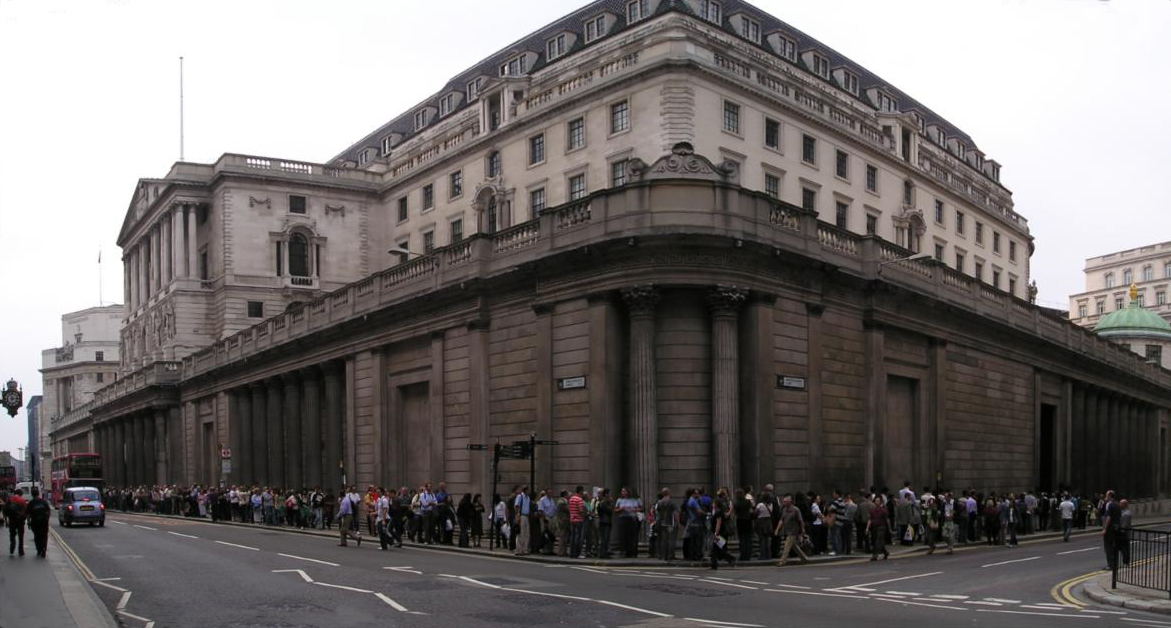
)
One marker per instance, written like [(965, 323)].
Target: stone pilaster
[(725, 303), (641, 302), (177, 466), (1077, 438), (192, 251), (158, 470), (242, 436), (259, 435), (139, 449)]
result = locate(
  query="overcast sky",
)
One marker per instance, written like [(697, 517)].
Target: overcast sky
[(1071, 96)]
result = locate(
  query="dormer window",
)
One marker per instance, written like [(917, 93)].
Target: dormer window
[(595, 28), (941, 136), (473, 88), (711, 11), (886, 103), (636, 11), (749, 29), (446, 104), (820, 66), (386, 145), (515, 66), (787, 48), (364, 157), (850, 82), (420, 119), (555, 47)]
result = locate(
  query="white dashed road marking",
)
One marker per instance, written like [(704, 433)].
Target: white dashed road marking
[(405, 569), (304, 576), (124, 601), (146, 528), (729, 584), (1088, 549), (395, 605), (312, 560), (871, 584), (186, 536), (255, 549), (342, 586), (1006, 562), (1001, 600)]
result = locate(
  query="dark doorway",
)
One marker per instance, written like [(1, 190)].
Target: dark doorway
[(1047, 454), (416, 413), (898, 432)]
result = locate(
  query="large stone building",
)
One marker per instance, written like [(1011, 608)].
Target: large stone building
[(87, 360), (1109, 278), (672, 236)]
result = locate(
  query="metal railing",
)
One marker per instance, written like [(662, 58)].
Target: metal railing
[(1144, 560)]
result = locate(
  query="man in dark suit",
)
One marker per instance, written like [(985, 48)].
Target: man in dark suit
[(1111, 529)]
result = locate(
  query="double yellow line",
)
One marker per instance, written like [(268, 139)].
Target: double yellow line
[(85, 572), (1063, 591)]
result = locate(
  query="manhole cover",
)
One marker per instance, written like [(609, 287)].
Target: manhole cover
[(676, 589)]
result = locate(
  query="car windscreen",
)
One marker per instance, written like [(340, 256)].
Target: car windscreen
[(90, 496)]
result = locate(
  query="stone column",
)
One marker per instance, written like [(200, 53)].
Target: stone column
[(160, 469), (127, 298), (293, 453), (725, 303), (178, 259), (176, 461), (119, 452), (259, 435), (192, 251), (242, 454), (1108, 462), (1077, 457), (152, 236), (331, 430), (165, 253), (311, 408), (148, 448), (141, 254), (641, 302), (140, 449), (275, 433)]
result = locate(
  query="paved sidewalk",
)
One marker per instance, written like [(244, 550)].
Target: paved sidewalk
[(896, 550), (1135, 598), (47, 592)]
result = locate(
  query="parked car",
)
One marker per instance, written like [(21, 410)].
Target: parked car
[(81, 504)]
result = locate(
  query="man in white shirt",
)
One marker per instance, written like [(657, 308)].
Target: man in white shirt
[(906, 492), (1067, 510), (382, 518)]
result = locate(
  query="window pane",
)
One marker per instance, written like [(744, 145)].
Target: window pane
[(619, 117), (298, 256)]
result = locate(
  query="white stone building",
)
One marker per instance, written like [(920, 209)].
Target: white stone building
[(1109, 277), (87, 360)]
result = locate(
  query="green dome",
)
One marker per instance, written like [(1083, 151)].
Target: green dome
[(1133, 320)]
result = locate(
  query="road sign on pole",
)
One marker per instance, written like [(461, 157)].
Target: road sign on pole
[(225, 454)]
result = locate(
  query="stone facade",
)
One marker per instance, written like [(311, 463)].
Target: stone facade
[(86, 361), (1108, 281), (620, 250)]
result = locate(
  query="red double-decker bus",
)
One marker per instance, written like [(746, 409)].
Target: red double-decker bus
[(7, 478), (75, 470)]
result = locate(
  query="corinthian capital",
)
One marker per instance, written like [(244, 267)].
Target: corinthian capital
[(726, 300), (641, 299)]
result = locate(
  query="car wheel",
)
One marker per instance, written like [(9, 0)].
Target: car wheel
[(102, 523)]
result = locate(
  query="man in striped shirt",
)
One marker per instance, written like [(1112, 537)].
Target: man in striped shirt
[(577, 514)]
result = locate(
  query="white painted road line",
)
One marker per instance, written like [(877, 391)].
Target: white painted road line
[(1098, 610), (405, 569), (395, 605), (851, 597), (902, 601), (186, 536), (304, 576), (949, 597), (763, 584), (995, 610), (1005, 562), (1002, 600), (312, 560), (255, 549), (106, 579), (149, 622), (792, 586), (728, 584), (474, 581), (121, 523), (1038, 607), (903, 593), (633, 608), (983, 603), (1147, 621), (109, 586), (146, 528), (124, 601), (591, 570), (721, 623), (342, 586), (1087, 549), (871, 584)]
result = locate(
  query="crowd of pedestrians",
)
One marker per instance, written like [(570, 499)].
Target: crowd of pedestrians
[(700, 526)]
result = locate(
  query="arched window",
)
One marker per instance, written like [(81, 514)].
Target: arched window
[(298, 255), (1167, 271), (1148, 273), (492, 214), (1127, 277), (1109, 280)]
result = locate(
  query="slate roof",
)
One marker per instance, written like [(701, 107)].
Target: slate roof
[(535, 42)]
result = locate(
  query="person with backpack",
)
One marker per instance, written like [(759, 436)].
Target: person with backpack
[(14, 513), (38, 513)]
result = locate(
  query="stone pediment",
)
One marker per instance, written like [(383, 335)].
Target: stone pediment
[(683, 163)]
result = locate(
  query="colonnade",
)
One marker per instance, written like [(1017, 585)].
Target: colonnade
[(287, 430), (1114, 443), (143, 447), (166, 251)]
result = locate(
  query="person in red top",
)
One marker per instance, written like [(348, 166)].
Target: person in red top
[(577, 515), (14, 512)]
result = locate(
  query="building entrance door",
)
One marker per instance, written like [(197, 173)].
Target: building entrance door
[(1047, 454), (415, 405), (898, 435)]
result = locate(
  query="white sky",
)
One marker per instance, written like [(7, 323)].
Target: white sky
[(1071, 96)]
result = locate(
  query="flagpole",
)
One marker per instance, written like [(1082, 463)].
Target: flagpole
[(180, 108), (100, 302)]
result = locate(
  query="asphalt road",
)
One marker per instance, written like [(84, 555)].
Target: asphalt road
[(180, 573)]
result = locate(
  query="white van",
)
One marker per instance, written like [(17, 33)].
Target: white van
[(26, 488)]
